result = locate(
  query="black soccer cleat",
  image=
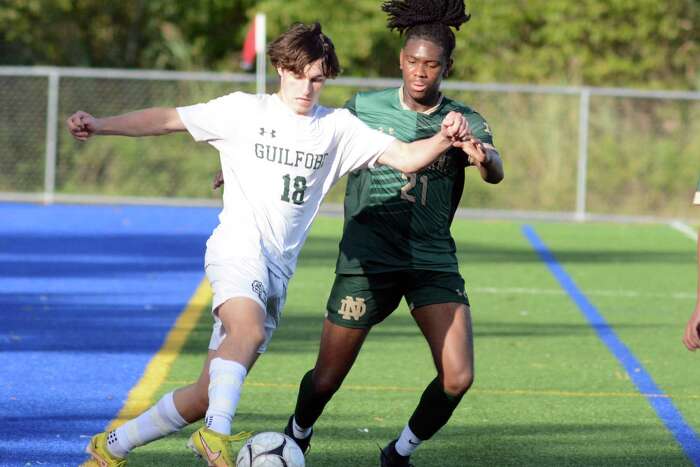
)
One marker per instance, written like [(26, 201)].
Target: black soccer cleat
[(390, 458), (303, 443)]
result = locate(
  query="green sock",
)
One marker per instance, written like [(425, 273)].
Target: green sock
[(434, 410), (310, 404)]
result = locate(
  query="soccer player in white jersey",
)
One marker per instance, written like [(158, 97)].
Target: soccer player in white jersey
[(280, 154)]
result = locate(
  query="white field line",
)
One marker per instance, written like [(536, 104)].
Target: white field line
[(600, 293), (685, 229)]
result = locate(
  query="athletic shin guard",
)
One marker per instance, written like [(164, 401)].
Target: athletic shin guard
[(434, 410), (310, 404)]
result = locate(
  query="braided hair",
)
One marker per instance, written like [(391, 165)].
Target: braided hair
[(427, 19)]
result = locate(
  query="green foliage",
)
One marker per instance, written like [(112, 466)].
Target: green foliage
[(631, 43), (364, 45), (177, 34), (639, 150), (638, 43)]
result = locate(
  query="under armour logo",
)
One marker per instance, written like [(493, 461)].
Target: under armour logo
[(263, 132)]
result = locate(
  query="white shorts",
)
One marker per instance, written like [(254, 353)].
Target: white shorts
[(250, 278)]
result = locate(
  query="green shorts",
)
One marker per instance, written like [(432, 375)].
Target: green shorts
[(361, 301)]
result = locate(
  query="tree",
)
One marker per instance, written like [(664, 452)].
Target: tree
[(640, 43), (176, 34)]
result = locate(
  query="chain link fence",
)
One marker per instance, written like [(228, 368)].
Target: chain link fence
[(569, 152), (22, 133)]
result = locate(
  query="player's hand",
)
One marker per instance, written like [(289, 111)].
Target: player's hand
[(474, 149), (82, 125), (691, 338), (454, 127), (218, 180)]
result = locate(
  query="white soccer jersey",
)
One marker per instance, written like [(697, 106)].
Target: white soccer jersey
[(277, 167)]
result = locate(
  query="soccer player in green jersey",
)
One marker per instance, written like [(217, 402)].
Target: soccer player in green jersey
[(691, 337), (396, 240)]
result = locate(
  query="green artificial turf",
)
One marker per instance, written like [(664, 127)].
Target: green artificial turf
[(547, 391)]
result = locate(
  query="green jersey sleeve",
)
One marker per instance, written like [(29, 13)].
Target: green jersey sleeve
[(479, 127), (351, 105)]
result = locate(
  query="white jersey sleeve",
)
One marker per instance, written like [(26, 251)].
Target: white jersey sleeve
[(217, 119), (359, 146)]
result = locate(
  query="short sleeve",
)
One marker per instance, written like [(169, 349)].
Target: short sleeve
[(696, 198), (479, 127), (359, 146), (214, 120)]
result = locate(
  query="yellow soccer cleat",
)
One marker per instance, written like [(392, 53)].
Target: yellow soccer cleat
[(101, 457), (214, 447)]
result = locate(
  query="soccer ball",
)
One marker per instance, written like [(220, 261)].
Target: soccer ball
[(270, 450)]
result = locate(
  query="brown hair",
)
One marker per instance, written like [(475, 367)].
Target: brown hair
[(302, 45)]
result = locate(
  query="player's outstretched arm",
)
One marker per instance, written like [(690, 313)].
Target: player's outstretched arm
[(148, 122), (411, 157), (484, 157), (691, 338)]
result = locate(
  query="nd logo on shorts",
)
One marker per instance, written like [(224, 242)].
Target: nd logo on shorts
[(352, 308), (259, 288)]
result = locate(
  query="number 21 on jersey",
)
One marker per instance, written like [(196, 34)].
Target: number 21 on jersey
[(412, 181)]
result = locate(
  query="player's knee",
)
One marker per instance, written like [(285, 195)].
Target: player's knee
[(459, 383), (255, 336)]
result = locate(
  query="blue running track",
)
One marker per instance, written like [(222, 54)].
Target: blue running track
[(87, 297)]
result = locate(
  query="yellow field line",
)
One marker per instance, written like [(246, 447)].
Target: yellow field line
[(141, 396), (475, 391)]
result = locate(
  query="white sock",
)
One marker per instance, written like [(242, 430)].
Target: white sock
[(407, 443), (158, 421), (225, 384), (299, 432)]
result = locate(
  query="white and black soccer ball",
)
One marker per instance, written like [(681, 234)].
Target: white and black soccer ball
[(270, 450)]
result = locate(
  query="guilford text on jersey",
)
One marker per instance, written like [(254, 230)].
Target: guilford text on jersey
[(289, 157)]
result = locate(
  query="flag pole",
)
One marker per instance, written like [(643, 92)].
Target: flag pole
[(260, 53)]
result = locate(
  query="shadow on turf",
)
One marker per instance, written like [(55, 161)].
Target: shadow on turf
[(105, 328), (324, 251), (552, 444)]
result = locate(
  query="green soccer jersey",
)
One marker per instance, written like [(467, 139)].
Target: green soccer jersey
[(396, 221)]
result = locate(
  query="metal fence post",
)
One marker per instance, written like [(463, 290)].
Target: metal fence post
[(51, 138), (261, 52), (581, 175)]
